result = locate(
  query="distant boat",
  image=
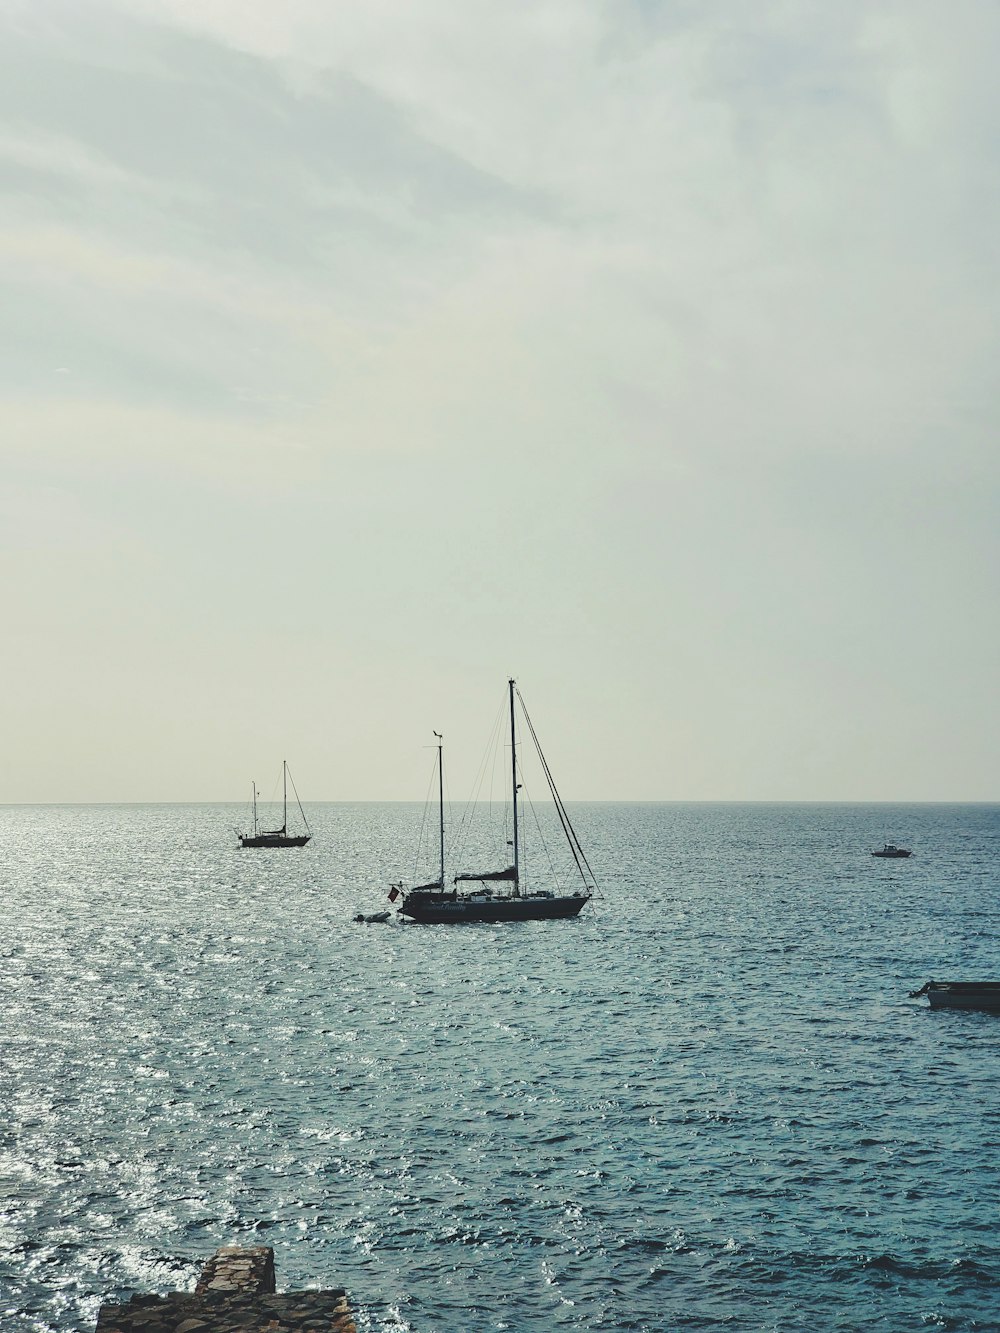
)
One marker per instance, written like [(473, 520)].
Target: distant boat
[(279, 837), (984, 995), (372, 919), (509, 900), (890, 849)]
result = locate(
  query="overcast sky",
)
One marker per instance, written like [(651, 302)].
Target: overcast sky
[(356, 357)]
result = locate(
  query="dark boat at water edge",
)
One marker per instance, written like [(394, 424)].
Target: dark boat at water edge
[(891, 850), (981, 995), (279, 837), (510, 901)]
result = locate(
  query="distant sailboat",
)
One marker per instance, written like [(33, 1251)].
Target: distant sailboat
[(280, 837), (433, 904)]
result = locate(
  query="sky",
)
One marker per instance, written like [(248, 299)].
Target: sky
[(358, 357)]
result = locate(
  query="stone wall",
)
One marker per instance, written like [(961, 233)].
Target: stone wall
[(235, 1294)]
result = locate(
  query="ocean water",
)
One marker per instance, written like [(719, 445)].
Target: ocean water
[(708, 1103)]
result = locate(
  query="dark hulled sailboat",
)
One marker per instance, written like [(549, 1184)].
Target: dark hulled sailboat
[(279, 837), (500, 895)]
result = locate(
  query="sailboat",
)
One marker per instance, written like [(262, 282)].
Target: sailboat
[(500, 895), (279, 837)]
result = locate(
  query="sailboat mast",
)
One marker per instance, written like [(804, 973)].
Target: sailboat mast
[(254, 786), (284, 795), (513, 783), (441, 803)]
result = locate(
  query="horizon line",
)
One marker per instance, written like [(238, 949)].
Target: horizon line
[(578, 800)]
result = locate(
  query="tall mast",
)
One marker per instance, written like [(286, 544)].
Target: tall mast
[(284, 795), (254, 786), (513, 783), (441, 801)]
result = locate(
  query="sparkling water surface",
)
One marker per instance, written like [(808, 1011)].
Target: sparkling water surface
[(707, 1103)]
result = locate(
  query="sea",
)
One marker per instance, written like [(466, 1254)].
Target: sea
[(709, 1102)]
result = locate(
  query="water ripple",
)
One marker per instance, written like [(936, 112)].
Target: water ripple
[(706, 1104)]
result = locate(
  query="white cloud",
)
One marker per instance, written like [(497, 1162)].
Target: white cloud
[(663, 334)]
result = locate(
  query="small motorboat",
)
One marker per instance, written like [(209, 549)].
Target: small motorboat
[(983, 995), (373, 919), (890, 849)]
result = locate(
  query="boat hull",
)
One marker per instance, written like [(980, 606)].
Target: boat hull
[(895, 855), (980, 995), (446, 909), (274, 840)]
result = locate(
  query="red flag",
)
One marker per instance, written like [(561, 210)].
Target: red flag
[(393, 894)]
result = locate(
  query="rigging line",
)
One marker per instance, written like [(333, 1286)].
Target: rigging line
[(464, 835), (469, 812), (298, 802), (449, 806), (423, 824), (560, 810), (513, 773), (506, 772), (574, 842), (247, 817), (496, 753), (553, 869), (442, 787), (559, 803)]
